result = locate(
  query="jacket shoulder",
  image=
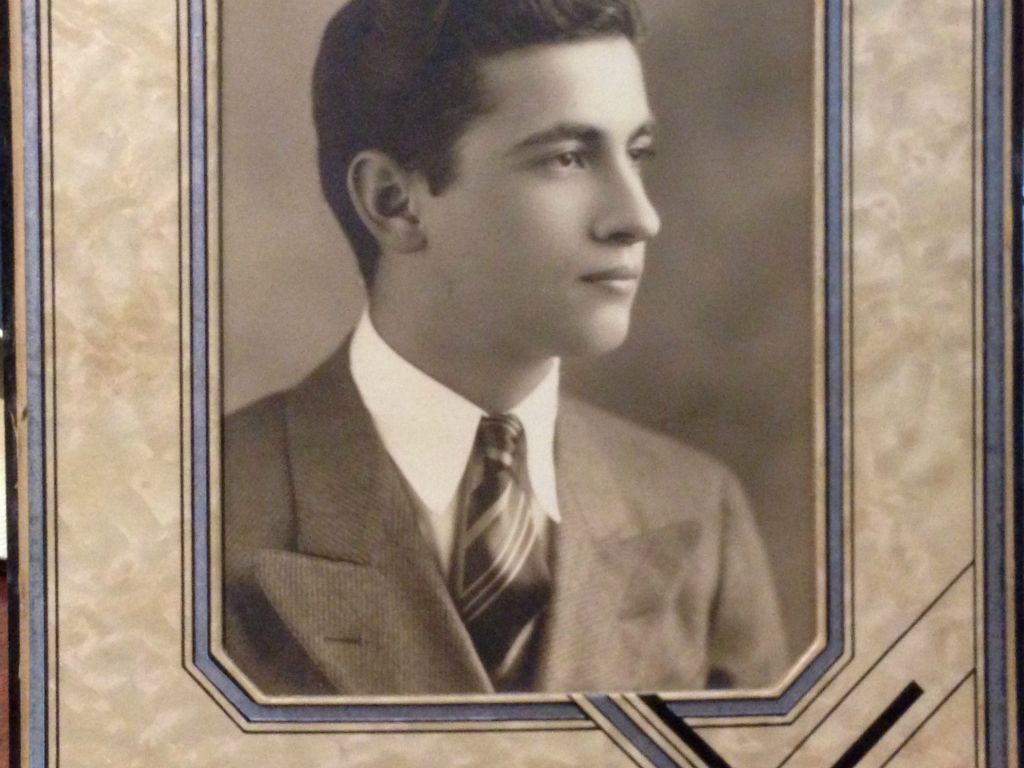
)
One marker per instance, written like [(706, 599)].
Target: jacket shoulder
[(665, 483), (258, 501), (643, 458)]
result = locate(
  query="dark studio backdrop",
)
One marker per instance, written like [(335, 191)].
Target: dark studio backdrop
[(721, 351)]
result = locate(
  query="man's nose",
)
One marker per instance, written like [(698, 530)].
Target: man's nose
[(626, 214)]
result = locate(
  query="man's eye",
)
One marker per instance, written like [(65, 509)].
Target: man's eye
[(642, 154), (568, 159)]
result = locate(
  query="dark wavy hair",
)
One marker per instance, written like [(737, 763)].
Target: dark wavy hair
[(402, 77)]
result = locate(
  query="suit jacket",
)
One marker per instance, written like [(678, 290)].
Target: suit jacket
[(660, 582)]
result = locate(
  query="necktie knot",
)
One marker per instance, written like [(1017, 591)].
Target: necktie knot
[(498, 438)]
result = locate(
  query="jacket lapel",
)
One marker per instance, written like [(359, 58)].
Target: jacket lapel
[(584, 598), (363, 595)]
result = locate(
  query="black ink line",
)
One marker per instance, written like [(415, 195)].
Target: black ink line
[(622, 723), (921, 725), (651, 720), (701, 748), (881, 726), (878, 661)]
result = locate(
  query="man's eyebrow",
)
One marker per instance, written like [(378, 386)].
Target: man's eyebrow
[(581, 132), (645, 131)]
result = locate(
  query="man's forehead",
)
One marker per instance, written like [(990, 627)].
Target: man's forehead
[(597, 82)]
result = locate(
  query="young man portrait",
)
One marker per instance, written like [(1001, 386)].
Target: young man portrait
[(426, 512)]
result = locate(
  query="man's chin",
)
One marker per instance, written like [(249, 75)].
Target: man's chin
[(597, 339)]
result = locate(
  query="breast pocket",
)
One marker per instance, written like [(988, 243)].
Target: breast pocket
[(658, 564)]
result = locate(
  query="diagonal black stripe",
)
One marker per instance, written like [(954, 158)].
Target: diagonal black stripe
[(881, 726), (875, 664), (928, 717), (701, 748)]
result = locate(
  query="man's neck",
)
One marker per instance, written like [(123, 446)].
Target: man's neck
[(493, 382)]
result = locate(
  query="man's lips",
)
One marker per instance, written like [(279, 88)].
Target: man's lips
[(613, 275)]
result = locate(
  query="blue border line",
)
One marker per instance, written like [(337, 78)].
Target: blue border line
[(1016, 403), (994, 362), (35, 387), (514, 711), (834, 422), (994, 418), (647, 746), (834, 301)]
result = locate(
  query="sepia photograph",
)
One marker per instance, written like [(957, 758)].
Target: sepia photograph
[(513, 382), (519, 345)]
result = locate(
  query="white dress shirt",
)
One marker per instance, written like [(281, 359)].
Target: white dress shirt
[(429, 430)]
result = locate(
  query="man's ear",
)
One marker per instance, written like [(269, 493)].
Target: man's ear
[(384, 196)]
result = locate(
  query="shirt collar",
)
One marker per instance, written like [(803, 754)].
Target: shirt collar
[(428, 430)]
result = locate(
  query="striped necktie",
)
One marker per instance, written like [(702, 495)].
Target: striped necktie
[(500, 578)]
